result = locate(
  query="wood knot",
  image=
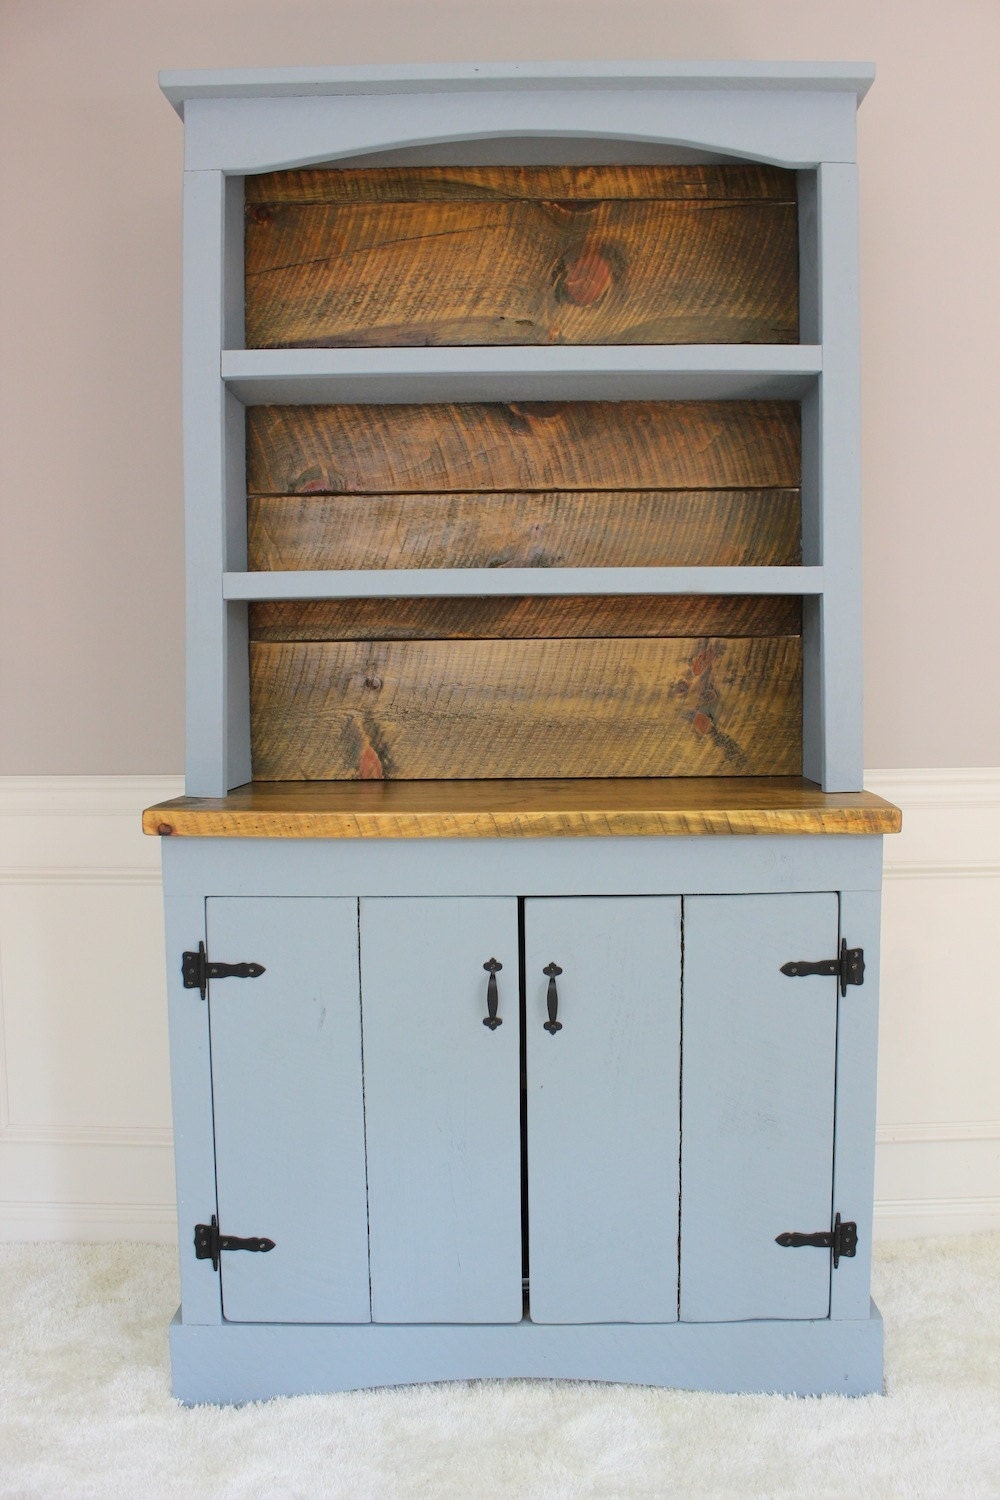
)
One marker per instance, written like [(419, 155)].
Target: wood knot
[(261, 214), (164, 829), (370, 766), (586, 278), (373, 681)]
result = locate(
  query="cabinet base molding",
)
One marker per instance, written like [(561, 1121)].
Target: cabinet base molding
[(232, 1363)]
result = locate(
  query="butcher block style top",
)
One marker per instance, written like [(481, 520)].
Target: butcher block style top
[(553, 808)]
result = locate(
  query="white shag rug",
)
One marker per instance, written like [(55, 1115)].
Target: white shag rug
[(85, 1409)]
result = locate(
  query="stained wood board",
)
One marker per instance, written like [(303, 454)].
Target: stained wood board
[(461, 447), (622, 528), (588, 707), (747, 181), (544, 256), (543, 808), (525, 617)]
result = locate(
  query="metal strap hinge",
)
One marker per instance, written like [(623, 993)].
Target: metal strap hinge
[(197, 970), (209, 1243), (842, 1240), (848, 968)]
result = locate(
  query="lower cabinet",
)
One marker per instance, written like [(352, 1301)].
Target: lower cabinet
[(470, 1110)]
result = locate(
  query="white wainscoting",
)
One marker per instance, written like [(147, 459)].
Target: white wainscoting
[(938, 1157), (84, 1097)]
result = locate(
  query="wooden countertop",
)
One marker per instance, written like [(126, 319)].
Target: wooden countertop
[(523, 809)]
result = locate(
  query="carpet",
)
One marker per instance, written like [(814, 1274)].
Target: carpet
[(85, 1409)]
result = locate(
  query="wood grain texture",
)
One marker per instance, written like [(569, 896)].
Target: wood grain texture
[(685, 807), (624, 528), (515, 271), (525, 617), (459, 448), (430, 709), (553, 183)]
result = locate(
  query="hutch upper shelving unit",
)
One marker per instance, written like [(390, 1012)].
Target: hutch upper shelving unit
[(523, 537)]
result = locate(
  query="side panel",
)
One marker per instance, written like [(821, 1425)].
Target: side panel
[(191, 1090), (857, 1051), (442, 1109), (289, 1114), (759, 1054), (603, 1109)]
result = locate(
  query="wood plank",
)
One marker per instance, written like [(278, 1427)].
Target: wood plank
[(544, 808), (559, 183), (525, 617), (458, 448), (416, 709), (623, 528), (644, 271)]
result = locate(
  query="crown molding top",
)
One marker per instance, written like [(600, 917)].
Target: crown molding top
[(418, 78)]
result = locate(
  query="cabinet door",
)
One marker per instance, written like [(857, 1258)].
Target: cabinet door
[(603, 1109), (289, 1114), (759, 1074), (442, 1109)]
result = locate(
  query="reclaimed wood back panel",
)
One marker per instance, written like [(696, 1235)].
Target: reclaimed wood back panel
[(432, 709), (570, 484), (521, 255), (538, 686)]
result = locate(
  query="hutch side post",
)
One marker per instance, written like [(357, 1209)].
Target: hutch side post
[(831, 499), (218, 704)]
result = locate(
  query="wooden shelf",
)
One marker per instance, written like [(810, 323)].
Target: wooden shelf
[(657, 372), (523, 809), (419, 583)]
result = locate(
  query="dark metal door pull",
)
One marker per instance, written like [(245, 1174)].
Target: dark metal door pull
[(552, 999), (492, 1020)]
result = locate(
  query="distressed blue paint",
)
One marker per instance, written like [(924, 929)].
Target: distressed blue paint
[(191, 1096), (289, 1122), (408, 583), (603, 1109), (442, 1110), (759, 1070), (247, 1363), (565, 372), (513, 866), (857, 1053), (792, 127)]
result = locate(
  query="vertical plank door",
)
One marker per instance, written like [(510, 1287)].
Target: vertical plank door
[(757, 1126), (603, 1108), (289, 1112), (442, 1109)]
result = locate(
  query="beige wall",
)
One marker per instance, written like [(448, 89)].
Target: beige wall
[(91, 585)]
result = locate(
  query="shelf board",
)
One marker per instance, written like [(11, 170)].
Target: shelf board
[(437, 583), (681, 806), (578, 372)]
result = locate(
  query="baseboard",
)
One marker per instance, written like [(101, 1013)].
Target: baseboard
[(147, 1223), (84, 1109), (915, 1218)]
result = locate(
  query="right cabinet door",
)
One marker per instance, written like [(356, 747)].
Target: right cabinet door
[(759, 1061), (602, 1107)]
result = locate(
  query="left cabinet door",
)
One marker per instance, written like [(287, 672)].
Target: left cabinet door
[(442, 1108), (289, 1109)]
